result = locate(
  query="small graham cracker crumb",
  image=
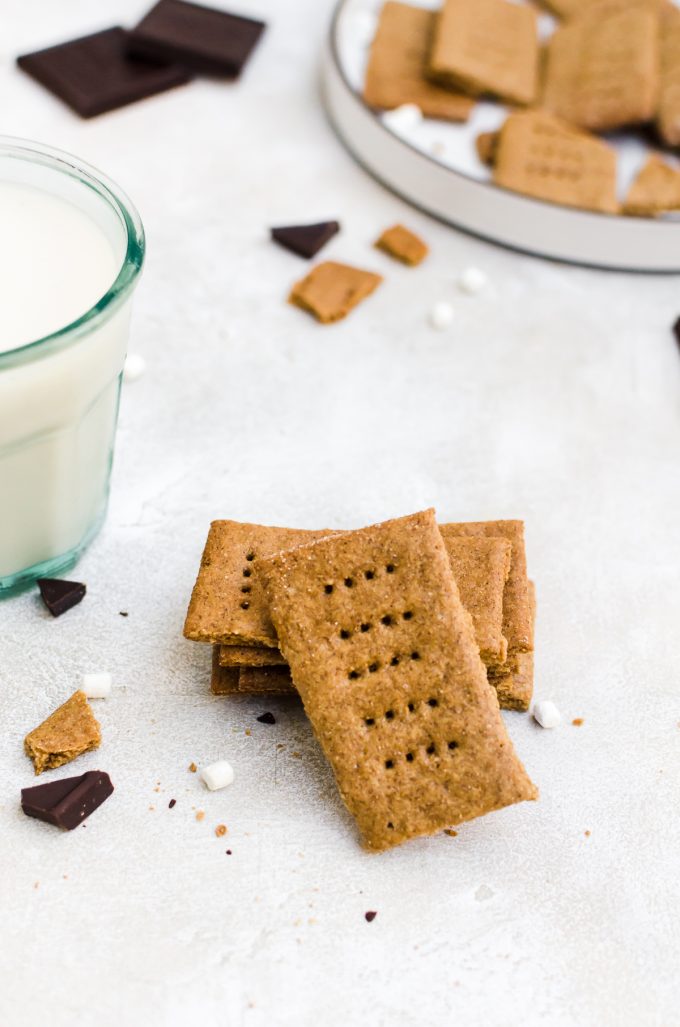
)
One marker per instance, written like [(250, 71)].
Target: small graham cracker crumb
[(192, 768), (248, 731), (297, 755), (200, 815), (451, 833), (587, 834), (577, 721), (221, 830)]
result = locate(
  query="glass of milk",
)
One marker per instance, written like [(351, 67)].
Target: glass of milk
[(72, 247)]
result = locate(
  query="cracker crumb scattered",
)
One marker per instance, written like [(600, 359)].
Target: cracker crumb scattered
[(577, 721), (151, 809), (200, 815), (248, 731), (37, 884), (451, 833), (192, 768), (587, 834), (297, 755), (221, 830)]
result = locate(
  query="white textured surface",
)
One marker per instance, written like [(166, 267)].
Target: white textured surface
[(555, 396)]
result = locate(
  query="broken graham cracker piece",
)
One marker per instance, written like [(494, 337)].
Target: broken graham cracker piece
[(223, 680), (481, 567), (403, 245), (249, 656), (540, 156), (568, 9), (487, 47), (656, 189), (604, 74), (668, 114), (331, 290), (517, 616), (384, 657), (68, 732), (228, 604), (397, 63)]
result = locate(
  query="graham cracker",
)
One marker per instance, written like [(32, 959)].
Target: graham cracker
[(603, 74), (227, 604), (397, 63), (656, 189), (68, 732), (517, 616), (266, 681), (487, 47), (668, 115), (516, 687), (249, 656), (384, 657), (331, 290), (485, 144), (223, 680), (540, 156), (403, 245), (567, 9)]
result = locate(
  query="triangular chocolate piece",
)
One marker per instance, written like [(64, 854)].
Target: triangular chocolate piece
[(306, 240), (68, 802), (59, 596)]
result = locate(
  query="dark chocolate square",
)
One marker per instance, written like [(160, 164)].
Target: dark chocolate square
[(68, 802), (95, 74), (200, 38), (305, 240)]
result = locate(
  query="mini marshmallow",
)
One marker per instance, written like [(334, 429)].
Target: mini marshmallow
[(441, 316), (404, 118), (546, 713), (134, 367), (217, 775), (96, 686), (472, 281)]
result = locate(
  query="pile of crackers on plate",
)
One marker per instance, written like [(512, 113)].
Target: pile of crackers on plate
[(609, 66), (403, 640)]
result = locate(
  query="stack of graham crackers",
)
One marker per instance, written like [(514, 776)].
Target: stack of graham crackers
[(609, 65), (401, 639)]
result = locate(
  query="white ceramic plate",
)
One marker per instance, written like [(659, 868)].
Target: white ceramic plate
[(434, 166)]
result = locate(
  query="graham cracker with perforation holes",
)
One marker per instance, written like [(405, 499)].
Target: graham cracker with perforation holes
[(397, 63), (656, 189), (68, 732), (668, 114), (487, 47), (603, 74), (540, 156), (228, 605), (331, 290), (384, 656)]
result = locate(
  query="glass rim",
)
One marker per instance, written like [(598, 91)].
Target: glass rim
[(62, 162)]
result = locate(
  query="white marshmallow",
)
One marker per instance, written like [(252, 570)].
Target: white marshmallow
[(217, 775), (134, 367), (403, 119), (472, 281), (546, 713), (441, 316), (96, 686)]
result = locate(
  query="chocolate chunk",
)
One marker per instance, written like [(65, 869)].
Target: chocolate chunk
[(267, 718), (59, 596), (68, 802), (94, 74), (173, 802), (306, 240), (371, 915), (199, 38)]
